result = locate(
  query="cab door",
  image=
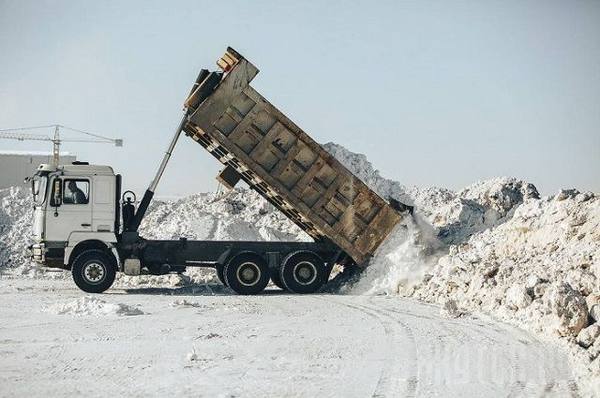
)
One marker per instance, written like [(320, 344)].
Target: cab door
[(103, 218), (69, 208)]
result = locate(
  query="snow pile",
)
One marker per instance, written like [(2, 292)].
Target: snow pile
[(498, 248), (540, 271), (239, 214), (16, 222), (89, 305), (544, 260), (16, 218)]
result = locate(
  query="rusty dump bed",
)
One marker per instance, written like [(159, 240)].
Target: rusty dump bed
[(261, 146)]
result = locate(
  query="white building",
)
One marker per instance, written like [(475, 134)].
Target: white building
[(16, 165)]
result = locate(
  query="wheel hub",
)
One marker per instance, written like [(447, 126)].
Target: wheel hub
[(94, 272), (248, 274), (305, 273)]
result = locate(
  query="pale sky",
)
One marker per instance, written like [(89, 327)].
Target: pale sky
[(433, 92)]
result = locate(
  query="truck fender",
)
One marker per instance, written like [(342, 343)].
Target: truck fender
[(107, 239), (115, 253), (224, 256)]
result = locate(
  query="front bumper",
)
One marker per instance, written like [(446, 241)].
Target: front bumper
[(38, 252)]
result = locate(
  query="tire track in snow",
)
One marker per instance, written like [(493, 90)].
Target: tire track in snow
[(392, 380), (473, 332)]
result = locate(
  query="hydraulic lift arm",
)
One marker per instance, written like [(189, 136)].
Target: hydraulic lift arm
[(143, 207), (203, 87)]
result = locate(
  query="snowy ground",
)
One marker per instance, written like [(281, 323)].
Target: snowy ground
[(202, 341)]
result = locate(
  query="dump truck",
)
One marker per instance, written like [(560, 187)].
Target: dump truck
[(84, 223)]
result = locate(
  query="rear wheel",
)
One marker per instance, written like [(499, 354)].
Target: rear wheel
[(247, 273), (303, 272), (94, 270)]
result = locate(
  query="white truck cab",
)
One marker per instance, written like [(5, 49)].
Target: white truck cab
[(76, 205)]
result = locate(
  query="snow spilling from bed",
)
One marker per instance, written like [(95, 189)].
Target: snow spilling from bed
[(400, 263)]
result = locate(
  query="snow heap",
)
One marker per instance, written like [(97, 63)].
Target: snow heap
[(94, 306), (497, 247), (16, 218), (239, 214), (539, 270)]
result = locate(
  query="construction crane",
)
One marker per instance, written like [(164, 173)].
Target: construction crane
[(20, 134)]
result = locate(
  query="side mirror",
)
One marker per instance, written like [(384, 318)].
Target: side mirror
[(57, 196)]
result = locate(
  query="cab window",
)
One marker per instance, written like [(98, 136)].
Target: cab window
[(76, 191)]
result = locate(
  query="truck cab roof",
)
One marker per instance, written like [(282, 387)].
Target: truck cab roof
[(79, 169)]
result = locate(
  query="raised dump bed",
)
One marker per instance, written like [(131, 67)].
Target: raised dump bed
[(263, 147)]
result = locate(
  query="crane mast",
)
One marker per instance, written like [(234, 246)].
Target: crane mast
[(56, 147)]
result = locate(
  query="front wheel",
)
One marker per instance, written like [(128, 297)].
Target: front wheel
[(94, 271)]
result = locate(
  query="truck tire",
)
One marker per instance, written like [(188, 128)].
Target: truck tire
[(247, 273), (94, 270), (302, 272), (220, 268), (276, 279)]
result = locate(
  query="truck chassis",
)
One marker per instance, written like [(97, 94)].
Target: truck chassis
[(244, 266)]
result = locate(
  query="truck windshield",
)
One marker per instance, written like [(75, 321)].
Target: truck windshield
[(38, 188)]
